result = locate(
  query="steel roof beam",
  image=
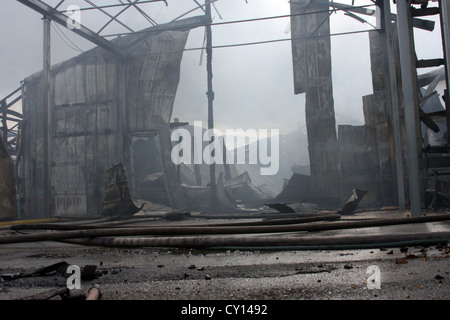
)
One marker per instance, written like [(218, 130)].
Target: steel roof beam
[(62, 19), (417, 23), (146, 16), (112, 5), (113, 18), (60, 3)]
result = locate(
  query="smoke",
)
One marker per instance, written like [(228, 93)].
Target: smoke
[(253, 84), (21, 54)]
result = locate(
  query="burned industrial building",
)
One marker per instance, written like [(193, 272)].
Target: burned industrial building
[(92, 148), (115, 106)]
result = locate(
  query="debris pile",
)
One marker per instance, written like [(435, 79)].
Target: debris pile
[(62, 269)]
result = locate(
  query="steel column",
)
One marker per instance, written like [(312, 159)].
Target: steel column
[(210, 95), (393, 95), (46, 117), (411, 103), (445, 29)]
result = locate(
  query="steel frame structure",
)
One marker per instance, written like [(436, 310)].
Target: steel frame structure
[(54, 13)]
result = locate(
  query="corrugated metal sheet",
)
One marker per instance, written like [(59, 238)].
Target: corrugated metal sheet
[(311, 53), (359, 166), (95, 100), (309, 47)]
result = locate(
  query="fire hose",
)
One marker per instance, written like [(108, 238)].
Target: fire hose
[(274, 242), (115, 224), (174, 234)]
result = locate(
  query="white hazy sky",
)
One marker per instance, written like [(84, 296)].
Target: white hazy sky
[(253, 85)]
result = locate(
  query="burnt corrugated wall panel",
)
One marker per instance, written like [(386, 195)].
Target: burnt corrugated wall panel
[(33, 149), (152, 80), (85, 135), (373, 171), (97, 103), (377, 115), (311, 51), (152, 77), (359, 166)]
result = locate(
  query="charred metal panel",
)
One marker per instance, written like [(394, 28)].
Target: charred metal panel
[(310, 42), (152, 80), (377, 60), (98, 102), (311, 51), (33, 149), (359, 162), (85, 134), (377, 119), (377, 115)]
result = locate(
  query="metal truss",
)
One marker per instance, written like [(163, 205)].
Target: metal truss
[(62, 16)]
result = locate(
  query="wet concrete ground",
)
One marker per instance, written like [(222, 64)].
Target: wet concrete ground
[(406, 273)]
